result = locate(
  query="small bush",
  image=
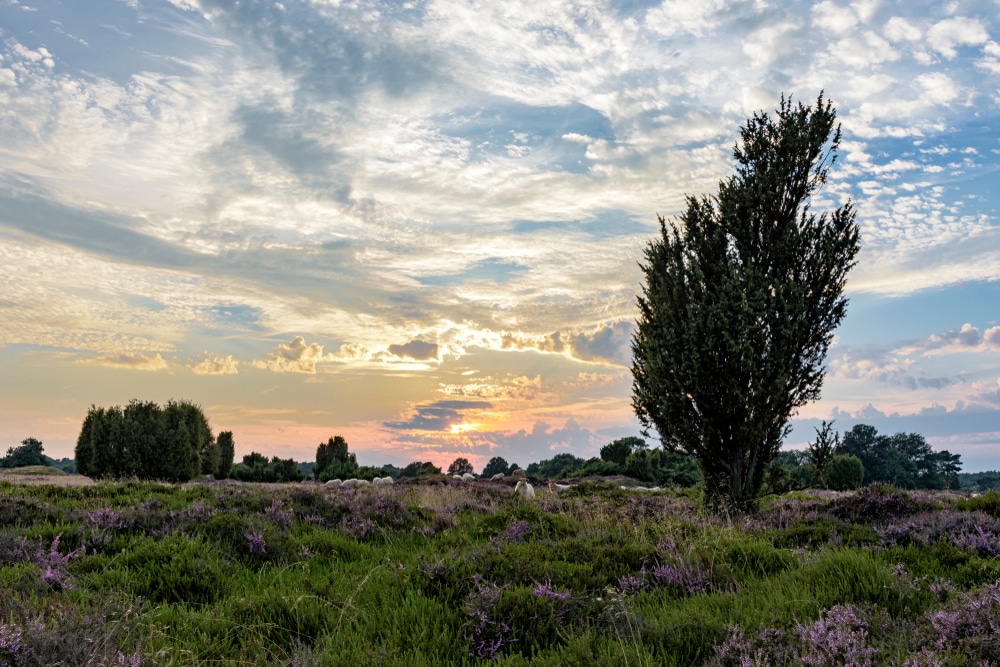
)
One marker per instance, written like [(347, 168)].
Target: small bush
[(844, 473)]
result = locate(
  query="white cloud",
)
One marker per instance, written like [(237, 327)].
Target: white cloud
[(212, 365), (945, 35), (898, 29), (830, 16), (294, 357)]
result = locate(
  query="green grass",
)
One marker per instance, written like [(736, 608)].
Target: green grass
[(454, 574)]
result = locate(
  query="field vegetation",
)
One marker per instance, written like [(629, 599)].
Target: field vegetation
[(434, 571)]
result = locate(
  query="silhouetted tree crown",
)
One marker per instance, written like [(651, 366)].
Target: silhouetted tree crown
[(496, 465), (460, 466), (28, 454), (334, 461), (740, 301)]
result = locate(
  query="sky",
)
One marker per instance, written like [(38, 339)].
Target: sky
[(418, 224)]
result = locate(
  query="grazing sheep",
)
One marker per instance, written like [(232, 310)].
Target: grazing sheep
[(356, 482), (388, 480), (335, 482), (458, 477), (553, 487), (520, 472), (525, 490), (499, 477), (382, 481), (469, 477)]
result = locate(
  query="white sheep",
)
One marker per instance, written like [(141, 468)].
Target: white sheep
[(499, 477), (469, 477), (458, 477), (356, 482), (381, 481), (335, 482), (388, 480), (553, 487), (525, 490)]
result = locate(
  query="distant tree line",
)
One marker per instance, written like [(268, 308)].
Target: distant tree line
[(175, 443), (864, 457)]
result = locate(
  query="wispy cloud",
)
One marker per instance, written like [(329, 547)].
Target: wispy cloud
[(133, 362)]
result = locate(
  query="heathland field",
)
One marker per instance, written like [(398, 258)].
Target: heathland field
[(443, 572)]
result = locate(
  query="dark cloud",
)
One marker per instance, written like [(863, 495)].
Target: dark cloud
[(415, 349), (437, 416)]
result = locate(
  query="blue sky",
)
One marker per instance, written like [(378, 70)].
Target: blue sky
[(418, 224)]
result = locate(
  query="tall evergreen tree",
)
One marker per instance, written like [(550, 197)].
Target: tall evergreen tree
[(227, 452), (740, 301)]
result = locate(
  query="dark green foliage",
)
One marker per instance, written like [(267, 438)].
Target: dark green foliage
[(420, 469), (740, 301), (844, 473), (822, 451), (597, 467), (662, 468), (904, 460), (227, 453), (144, 441), (390, 470), (211, 455), (333, 461), (460, 466), (560, 465), (980, 481), (988, 503), (496, 465), (619, 450), (804, 477), (28, 454), (256, 468)]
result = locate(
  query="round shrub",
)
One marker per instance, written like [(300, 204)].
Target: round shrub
[(844, 473)]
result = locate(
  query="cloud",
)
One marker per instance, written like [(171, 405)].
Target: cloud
[(493, 388), (132, 361), (437, 416), (889, 369), (415, 349), (608, 343), (968, 338), (294, 357), (945, 35), (212, 365)]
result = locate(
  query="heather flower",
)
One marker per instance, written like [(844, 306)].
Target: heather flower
[(10, 645), (134, 660), (738, 651), (488, 636), (632, 584), (840, 636), (279, 516), (255, 542), (970, 623), (105, 518), (53, 564), (512, 534), (545, 590)]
